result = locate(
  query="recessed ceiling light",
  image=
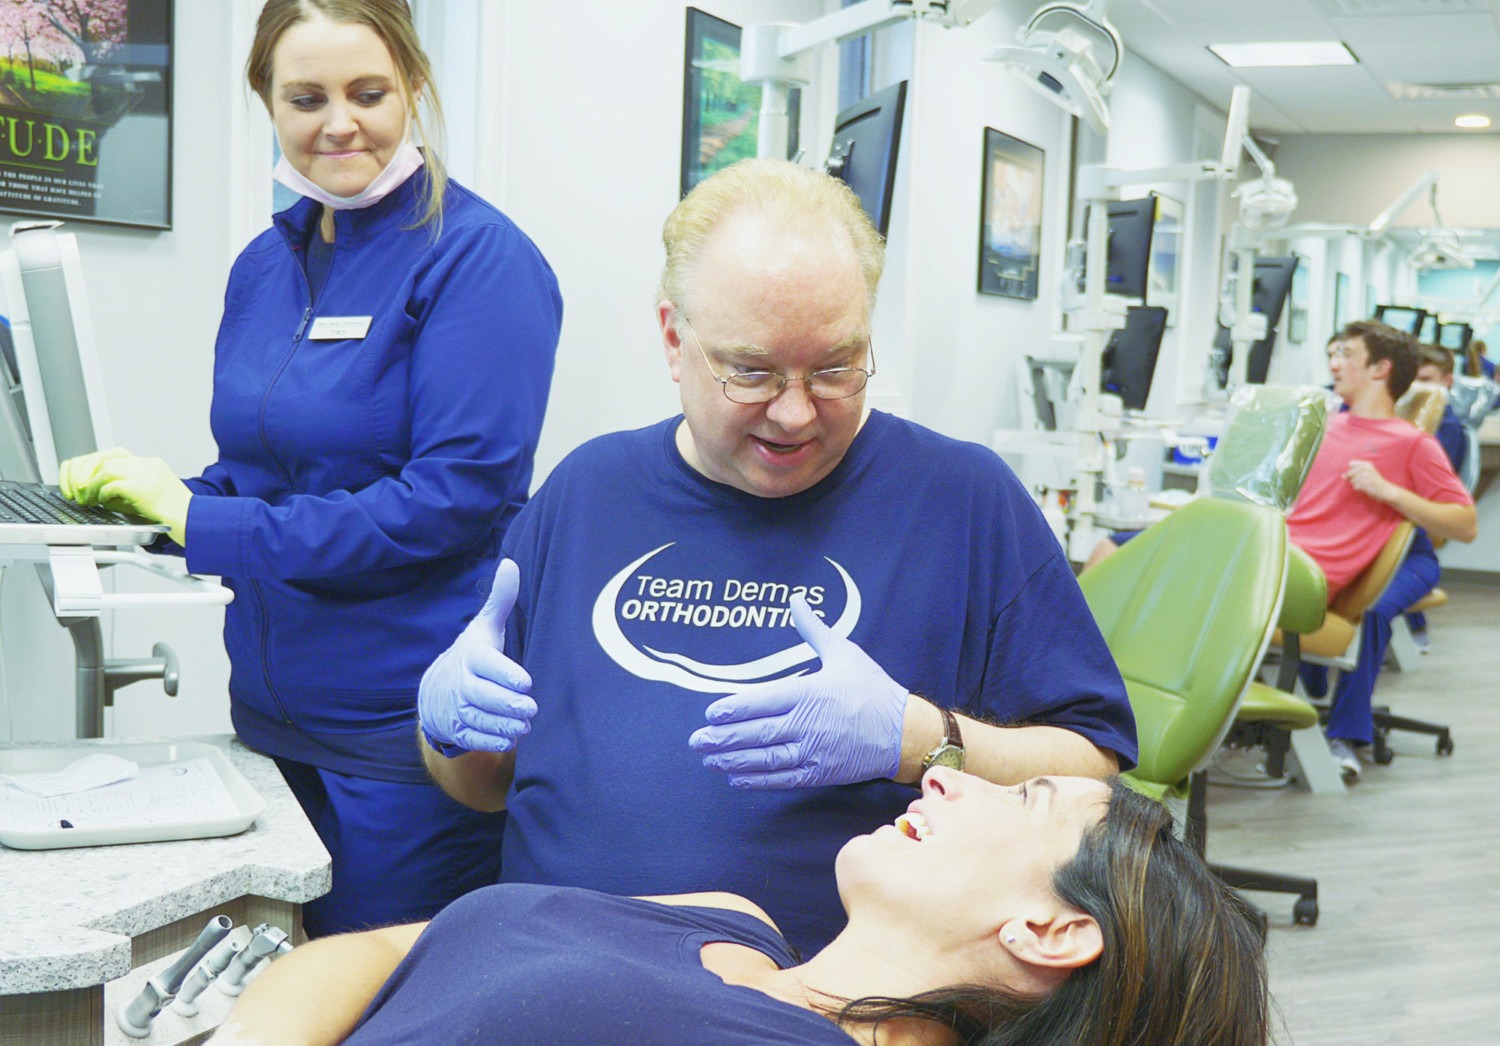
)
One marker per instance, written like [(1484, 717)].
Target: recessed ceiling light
[(1471, 120), (1284, 53)]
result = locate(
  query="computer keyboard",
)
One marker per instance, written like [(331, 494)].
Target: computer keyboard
[(32, 504)]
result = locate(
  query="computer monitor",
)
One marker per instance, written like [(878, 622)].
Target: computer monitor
[(1268, 295), (1130, 355), (1129, 263), (1402, 317), (54, 396), (866, 140), (1428, 334), (1454, 336), (1273, 283)]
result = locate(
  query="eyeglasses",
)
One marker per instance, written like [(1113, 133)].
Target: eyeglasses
[(762, 386)]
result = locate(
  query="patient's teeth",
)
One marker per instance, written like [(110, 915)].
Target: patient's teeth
[(914, 825)]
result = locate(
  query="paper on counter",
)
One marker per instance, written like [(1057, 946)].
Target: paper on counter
[(90, 772), (168, 794)]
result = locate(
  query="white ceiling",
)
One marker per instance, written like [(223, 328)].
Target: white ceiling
[(1444, 42)]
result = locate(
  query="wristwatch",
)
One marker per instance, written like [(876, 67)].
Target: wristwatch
[(950, 752)]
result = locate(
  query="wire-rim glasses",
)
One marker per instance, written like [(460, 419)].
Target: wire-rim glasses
[(762, 386)]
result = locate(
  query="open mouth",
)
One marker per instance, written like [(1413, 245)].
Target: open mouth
[(779, 448), (913, 825)]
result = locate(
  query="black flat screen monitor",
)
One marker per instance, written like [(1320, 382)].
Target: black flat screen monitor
[(1273, 283), (866, 140), (1429, 331), (1455, 336), (1128, 266), (1402, 317), (1130, 356)]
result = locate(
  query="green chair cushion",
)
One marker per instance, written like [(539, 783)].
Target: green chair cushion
[(1186, 610), (1266, 704)]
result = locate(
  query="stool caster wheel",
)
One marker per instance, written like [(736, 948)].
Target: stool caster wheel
[(1305, 911), (1445, 745), (1384, 755)]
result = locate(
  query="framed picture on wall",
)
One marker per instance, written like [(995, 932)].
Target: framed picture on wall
[(720, 112), (1341, 303), (1010, 216), (86, 105), (1166, 254), (1297, 317)]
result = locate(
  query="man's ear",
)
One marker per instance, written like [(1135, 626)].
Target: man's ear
[(671, 337), (1066, 939)]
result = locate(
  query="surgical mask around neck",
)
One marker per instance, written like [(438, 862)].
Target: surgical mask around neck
[(401, 167)]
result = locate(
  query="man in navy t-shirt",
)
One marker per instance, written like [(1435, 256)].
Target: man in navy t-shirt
[(723, 644)]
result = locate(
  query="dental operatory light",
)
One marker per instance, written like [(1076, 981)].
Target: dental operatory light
[(1059, 57), (1439, 247), (1266, 203)]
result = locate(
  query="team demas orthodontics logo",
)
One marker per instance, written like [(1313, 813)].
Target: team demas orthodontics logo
[(703, 604)]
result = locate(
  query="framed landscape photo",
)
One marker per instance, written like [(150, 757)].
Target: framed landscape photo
[(86, 110), (720, 112), (1010, 222)]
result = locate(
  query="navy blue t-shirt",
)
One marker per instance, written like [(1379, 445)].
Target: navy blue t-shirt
[(647, 591), (532, 964)]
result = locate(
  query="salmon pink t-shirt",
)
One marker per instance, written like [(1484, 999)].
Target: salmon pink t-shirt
[(1342, 529)]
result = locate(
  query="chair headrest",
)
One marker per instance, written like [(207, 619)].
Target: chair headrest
[(1268, 445), (1423, 405), (1471, 399)]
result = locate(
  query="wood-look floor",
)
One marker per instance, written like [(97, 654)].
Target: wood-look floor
[(1407, 946)]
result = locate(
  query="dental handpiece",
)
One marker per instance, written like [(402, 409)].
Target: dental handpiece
[(213, 964), (268, 940), (135, 1017)]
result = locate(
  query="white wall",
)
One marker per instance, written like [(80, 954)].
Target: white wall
[(1351, 178)]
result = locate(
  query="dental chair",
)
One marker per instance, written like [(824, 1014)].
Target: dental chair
[(1188, 609)]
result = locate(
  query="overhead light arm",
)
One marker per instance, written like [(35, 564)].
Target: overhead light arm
[(1060, 62), (1428, 180), (776, 56)]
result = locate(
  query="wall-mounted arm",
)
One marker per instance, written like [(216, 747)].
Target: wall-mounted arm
[(775, 56)]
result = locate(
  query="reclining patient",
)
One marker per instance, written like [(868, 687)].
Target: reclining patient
[(1060, 910)]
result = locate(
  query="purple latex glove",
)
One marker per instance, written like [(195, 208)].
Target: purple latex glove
[(838, 725), (473, 697)]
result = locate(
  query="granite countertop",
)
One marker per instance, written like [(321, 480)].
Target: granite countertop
[(67, 916)]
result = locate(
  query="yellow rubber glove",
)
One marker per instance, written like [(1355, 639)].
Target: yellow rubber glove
[(76, 473), (143, 487)]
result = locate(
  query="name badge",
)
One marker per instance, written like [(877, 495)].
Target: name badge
[(339, 328)]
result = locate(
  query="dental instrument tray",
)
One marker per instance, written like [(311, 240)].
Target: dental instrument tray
[(178, 790)]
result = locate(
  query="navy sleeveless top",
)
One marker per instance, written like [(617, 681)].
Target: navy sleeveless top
[(518, 964)]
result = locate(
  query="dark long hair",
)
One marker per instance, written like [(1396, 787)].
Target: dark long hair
[(1183, 962)]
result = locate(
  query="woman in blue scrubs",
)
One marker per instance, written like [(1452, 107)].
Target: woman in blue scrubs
[(380, 378)]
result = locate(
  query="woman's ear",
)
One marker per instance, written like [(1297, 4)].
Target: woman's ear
[(1066, 939)]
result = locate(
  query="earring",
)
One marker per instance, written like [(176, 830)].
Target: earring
[(1010, 938)]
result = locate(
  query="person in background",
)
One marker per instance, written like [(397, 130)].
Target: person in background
[(730, 641), (1476, 363), (380, 377), (1373, 469), (1437, 369), (1058, 912)]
